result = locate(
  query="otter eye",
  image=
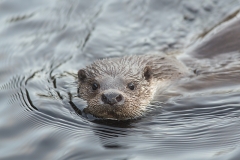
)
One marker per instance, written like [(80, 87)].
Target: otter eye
[(94, 86), (131, 86)]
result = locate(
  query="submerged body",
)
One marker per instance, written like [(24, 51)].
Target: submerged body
[(121, 88)]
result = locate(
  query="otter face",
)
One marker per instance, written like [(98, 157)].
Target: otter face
[(116, 91)]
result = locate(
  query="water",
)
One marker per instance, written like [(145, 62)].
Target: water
[(44, 43)]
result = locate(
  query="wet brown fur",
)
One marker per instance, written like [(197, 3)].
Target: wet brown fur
[(116, 73)]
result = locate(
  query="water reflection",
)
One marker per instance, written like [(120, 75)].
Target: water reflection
[(44, 43)]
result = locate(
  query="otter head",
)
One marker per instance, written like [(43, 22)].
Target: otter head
[(116, 89)]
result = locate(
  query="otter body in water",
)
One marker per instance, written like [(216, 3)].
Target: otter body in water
[(121, 88)]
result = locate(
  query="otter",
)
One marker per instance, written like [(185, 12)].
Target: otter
[(121, 88)]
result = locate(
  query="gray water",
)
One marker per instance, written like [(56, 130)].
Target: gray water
[(44, 43)]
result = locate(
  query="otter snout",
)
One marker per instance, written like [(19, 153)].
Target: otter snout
[(112, 98)]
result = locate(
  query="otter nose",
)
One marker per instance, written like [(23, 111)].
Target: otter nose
[(112, 98)]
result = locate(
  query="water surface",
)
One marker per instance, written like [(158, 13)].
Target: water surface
[(44, 43)]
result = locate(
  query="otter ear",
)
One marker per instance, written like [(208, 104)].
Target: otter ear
[(147, 73), (82, 75)]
